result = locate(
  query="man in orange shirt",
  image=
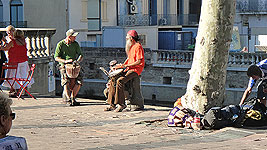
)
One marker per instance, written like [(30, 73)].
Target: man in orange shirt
[(134, 65)]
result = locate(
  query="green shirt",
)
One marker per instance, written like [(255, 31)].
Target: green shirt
[(65, 51)]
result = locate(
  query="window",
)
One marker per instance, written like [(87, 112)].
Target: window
[(167, 80), (16, 11), (93, 15), (142, 38)]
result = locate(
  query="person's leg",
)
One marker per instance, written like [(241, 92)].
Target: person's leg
[(262, 91), (137, 97), (119, 96), (75, 90), (263, 101), (75, 86), (22, 72), (111, 94), (2, 73), (65, 84)]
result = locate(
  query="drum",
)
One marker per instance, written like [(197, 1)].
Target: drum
[(72, 70), (115, 73)]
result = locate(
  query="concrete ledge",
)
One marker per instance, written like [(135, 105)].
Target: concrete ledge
[(151, 91)]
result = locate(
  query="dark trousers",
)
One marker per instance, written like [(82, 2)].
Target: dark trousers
[(260, 93), (117, 96), (2, 74)]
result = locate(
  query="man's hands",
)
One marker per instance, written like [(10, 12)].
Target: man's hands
[(118, 66), (68, 61)]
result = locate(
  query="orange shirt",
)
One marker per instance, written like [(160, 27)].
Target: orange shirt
[(136, 52)]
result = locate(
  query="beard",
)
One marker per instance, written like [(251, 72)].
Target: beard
[(128, 45)]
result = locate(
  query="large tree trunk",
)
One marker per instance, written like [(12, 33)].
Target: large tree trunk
[(206, 86)]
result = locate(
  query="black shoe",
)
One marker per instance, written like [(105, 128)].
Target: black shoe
[(75, 103), (138, 108)]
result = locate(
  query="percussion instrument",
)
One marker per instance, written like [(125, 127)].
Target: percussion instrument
[(72, 70), (115, 73)]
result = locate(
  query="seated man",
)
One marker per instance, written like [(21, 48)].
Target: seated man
[(134, 65), (257, 72), (6, 117)]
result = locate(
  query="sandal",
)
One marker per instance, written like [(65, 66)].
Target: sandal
[(120, 108), (110, 108)]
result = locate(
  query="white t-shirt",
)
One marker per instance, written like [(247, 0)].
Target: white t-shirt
[(13, 143)]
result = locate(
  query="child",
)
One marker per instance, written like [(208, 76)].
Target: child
[(111, 67)]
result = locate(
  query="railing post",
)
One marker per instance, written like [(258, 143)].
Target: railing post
[(29, 46), (42, 45), (38, 45), (47, 44), (35, 49)]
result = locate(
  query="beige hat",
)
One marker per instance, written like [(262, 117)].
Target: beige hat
[(71, 32)]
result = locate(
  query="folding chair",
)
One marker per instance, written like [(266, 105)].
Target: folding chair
[(25, 82), (9, 66)]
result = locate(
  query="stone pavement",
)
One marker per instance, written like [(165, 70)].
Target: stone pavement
[(47, 124)]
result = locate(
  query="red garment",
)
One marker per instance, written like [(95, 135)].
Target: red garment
[(17, 53), (136, 52)]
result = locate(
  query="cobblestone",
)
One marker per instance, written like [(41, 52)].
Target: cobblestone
[(47, 124)]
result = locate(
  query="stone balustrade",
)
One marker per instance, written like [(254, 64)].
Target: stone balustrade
[(38, 41), (39, 53), (177, 57)]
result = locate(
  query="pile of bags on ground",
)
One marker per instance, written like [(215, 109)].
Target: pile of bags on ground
[(251, 114)]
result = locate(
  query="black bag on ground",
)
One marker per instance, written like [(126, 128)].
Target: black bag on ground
[(254, 106), (218, 117)]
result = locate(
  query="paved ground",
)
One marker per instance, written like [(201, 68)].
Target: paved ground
[(47, 124)]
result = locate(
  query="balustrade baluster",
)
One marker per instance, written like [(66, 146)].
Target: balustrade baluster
[(38, 45), (242, 59), (43, 45), (34, 46), (29, 46), (47, 44), (229, 59), (234, 59), (161, 57)]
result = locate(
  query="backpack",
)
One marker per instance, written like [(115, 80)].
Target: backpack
[(255, 113), (218, 117)]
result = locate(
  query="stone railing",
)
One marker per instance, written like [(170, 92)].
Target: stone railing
[(250, 6), (38, 41), (160, 20), (39, 53), (173, 57)]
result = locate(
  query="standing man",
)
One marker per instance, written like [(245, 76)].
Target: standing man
[(69, 51), (257, 72), (134, 65)]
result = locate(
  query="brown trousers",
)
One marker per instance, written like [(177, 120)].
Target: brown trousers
[(117, 96)]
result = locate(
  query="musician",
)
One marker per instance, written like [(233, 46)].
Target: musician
[(111, 68), (134, 65), (69, 51)]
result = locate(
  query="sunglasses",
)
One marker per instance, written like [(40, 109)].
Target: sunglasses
[(13, 116)]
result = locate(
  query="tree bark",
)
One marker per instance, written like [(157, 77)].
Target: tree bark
[(206, 85)]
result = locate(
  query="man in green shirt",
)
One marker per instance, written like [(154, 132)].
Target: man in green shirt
[(69, 51)]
